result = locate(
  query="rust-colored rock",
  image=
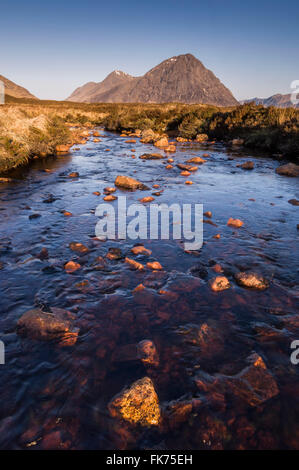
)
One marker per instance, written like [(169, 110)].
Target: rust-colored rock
[(57, 324), (147, 199), (138, 404), (74, 174), (185, 173), (251, 280), (127, 182), (247, 165), (139, 288), (188, 182), (170, 148), (79, 247), (67, 214), (110, 198), (162, 142), (197, 160), (151, 156), (235, 222), (72, 266), (62, 149), (109, 190), (290, 169), (155, 265), (134, 264), (219, 283), (147, 353), (140, 250)]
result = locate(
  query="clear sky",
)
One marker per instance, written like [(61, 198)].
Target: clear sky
[(53, 47)]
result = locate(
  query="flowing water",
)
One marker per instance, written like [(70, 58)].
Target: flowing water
[(56, 397)]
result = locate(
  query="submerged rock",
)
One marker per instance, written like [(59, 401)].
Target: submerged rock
[(253, 386), (290, 169), (54, 325), (114, 254), (78, 247), (197, 160), (219, 283), (147, 353), (294, 202), (251, 280), (127, 182), (151, 156), (138, 404), (247, 165)]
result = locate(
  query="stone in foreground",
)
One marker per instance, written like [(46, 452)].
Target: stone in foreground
[(139, 404), (290, 169), (48, 326), (126, 182), (251, 280)]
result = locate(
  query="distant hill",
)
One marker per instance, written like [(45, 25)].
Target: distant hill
[(280, 101), (181, 78), (14, 90)]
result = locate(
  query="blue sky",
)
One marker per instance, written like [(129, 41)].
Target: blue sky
[(51, 48)]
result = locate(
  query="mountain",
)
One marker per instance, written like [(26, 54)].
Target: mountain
[(14, 90), (278, 100), (181, 78), (93, 91)]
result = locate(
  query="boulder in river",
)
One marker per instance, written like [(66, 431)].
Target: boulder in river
[(290, 169), (57, 324), (126, 182), (162, 142), (138, 404), (251, 280)]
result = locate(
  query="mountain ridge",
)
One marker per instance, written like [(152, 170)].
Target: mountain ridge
[(278, 100), (14, 90), (180, 78)]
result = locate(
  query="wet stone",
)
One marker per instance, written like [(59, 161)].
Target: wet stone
[(138, 404), (58, 324), (251, 280)]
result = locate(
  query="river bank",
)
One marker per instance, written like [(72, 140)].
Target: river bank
[(30, 129)]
